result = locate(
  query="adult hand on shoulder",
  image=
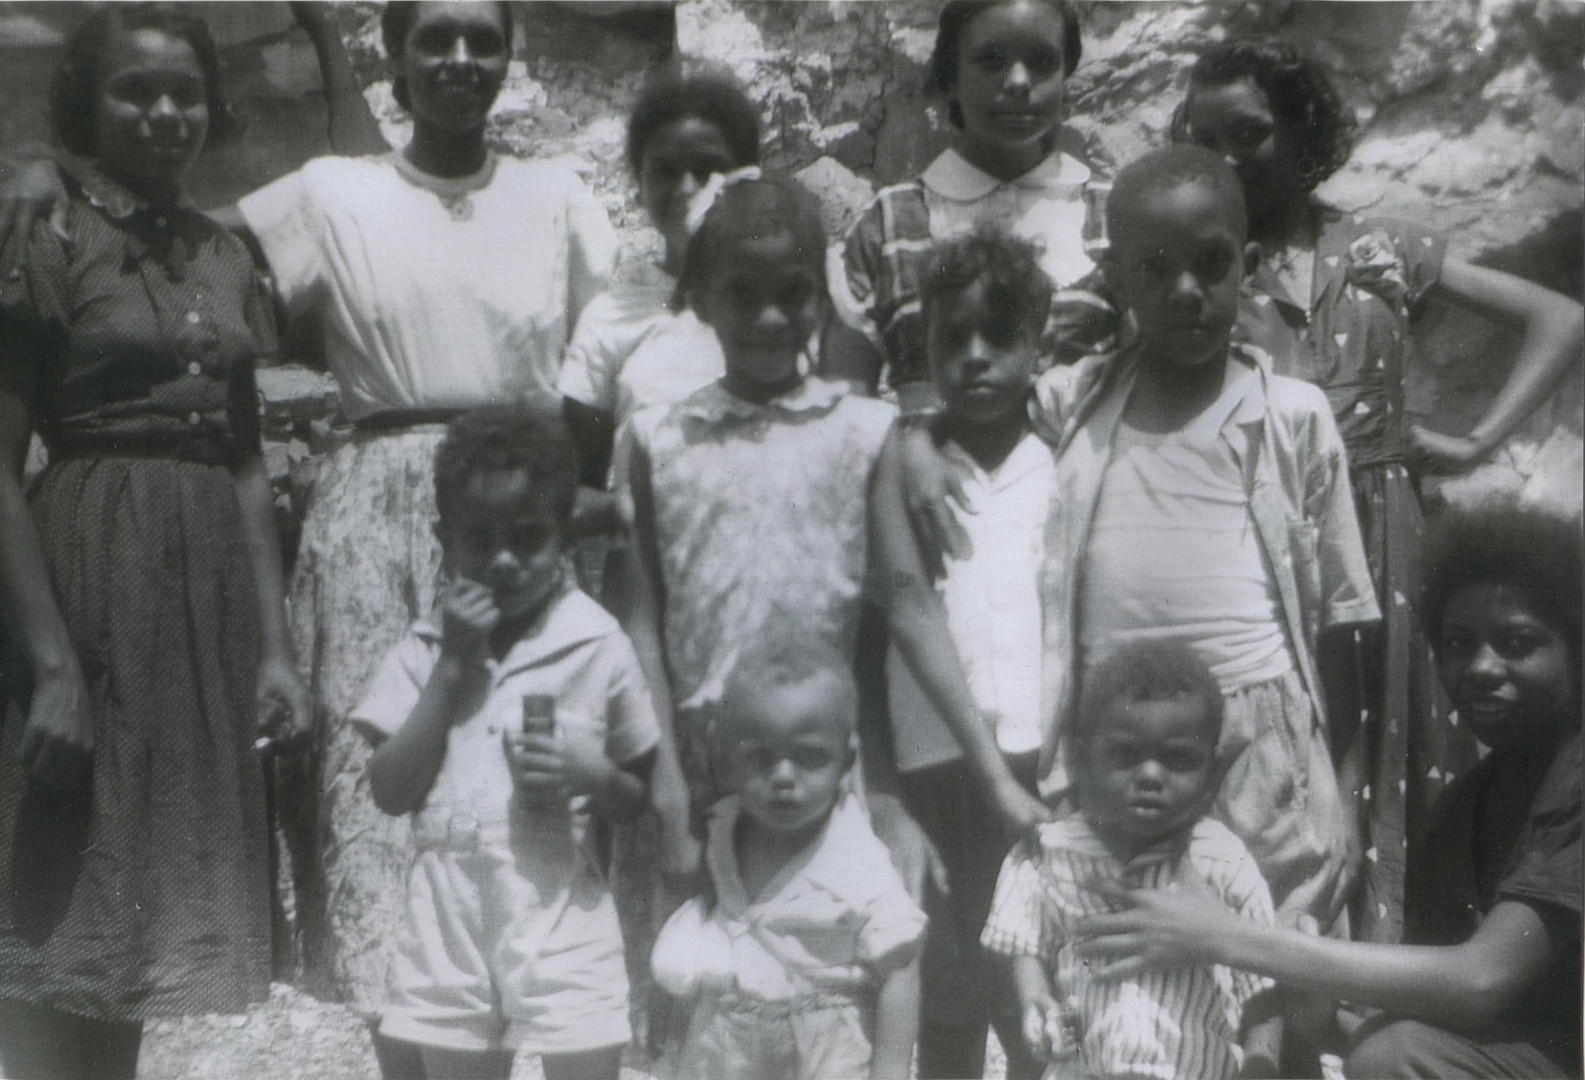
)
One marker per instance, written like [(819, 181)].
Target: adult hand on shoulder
[(29, 190), (1432, 451), (1154, 930), (58, 741)]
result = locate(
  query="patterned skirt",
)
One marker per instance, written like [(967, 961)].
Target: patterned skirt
[(147, 895), (367, 567), (1414, 743)]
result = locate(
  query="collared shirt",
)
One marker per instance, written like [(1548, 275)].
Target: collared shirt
[(425, 306), (1295, 473), (142, 330), (992, 603), (835, 918), (578, 655), (1179, 1023), (760, 511), (875, 272)]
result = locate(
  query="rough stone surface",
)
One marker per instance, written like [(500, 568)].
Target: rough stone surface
[(1472, 122)]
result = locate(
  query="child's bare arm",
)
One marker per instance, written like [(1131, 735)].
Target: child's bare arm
[(404, 766), (918, 622), (1463, 986), (668, 792), (896, 1024)]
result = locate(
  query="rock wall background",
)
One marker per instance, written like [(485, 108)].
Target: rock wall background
[(1472, 122)]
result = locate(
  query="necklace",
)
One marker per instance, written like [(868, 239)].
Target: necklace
[(454, 193)]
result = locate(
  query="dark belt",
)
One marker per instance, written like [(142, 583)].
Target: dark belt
[(397, 419), (174, 446)]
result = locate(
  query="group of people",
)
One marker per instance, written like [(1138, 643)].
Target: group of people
[(1005, 621)]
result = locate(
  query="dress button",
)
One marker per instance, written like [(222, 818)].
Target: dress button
[(195, 368), (161, 222), (194, 419), (193, 318)]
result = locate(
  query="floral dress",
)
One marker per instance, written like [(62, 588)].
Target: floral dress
[(1353, 339)]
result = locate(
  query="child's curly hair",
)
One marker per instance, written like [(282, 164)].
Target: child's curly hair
[(531, 439), (78, 81), (1016, 287), (1140, 672), (715, 98), (1301, 95), (1533, 552)]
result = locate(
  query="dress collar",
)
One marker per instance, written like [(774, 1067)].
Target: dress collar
[(170, 234), (714, 403), (952, 176)]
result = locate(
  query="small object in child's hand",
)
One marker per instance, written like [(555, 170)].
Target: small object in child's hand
[(539, 714)]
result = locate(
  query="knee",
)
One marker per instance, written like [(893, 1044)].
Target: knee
[(1402, 1048)]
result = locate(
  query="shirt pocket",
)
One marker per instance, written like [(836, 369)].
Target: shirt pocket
[(1304, 541)]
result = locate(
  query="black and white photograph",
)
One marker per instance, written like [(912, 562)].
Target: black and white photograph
[(791, 539)]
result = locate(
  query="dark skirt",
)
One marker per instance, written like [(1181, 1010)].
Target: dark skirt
[(1414, 743), (148, 895)]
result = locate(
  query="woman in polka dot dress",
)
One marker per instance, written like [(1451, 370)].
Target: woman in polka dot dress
[(1334, 301)]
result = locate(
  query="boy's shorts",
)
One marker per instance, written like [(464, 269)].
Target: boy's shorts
[(510, 944)]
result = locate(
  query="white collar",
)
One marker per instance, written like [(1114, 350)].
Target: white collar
[(572, 619), (953, 176)]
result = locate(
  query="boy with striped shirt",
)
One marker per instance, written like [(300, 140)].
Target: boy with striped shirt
[(1144, 759)]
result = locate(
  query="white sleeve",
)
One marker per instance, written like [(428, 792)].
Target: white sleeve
[(288, 218)]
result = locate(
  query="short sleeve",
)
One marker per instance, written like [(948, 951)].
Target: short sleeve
[(1016, 925), (1347, 593), (592, 244), (246, 404), (1547, 865), (893, 933), (854, 270), (632, 728), (393, 692), (288, 218), (1421, 252), (33, 306), (1243, 888), (589, 372)]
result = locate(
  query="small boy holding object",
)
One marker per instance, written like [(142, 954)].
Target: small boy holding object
[(511, 724)]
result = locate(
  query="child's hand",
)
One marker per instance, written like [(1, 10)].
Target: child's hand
[(538, 768), (1020, 811), (549, 769), (932, 489), (1051, 1031), (468, 616)]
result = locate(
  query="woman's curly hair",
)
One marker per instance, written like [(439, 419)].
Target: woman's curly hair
[(79, 80), (1301, 95)]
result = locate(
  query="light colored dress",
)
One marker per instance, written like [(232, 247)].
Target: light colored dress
[(783, 984), (760, 513), (431, 296)]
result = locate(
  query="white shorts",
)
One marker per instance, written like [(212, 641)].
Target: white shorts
[(493, 960)]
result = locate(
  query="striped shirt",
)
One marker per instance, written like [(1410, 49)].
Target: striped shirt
[(1185, 1022)]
